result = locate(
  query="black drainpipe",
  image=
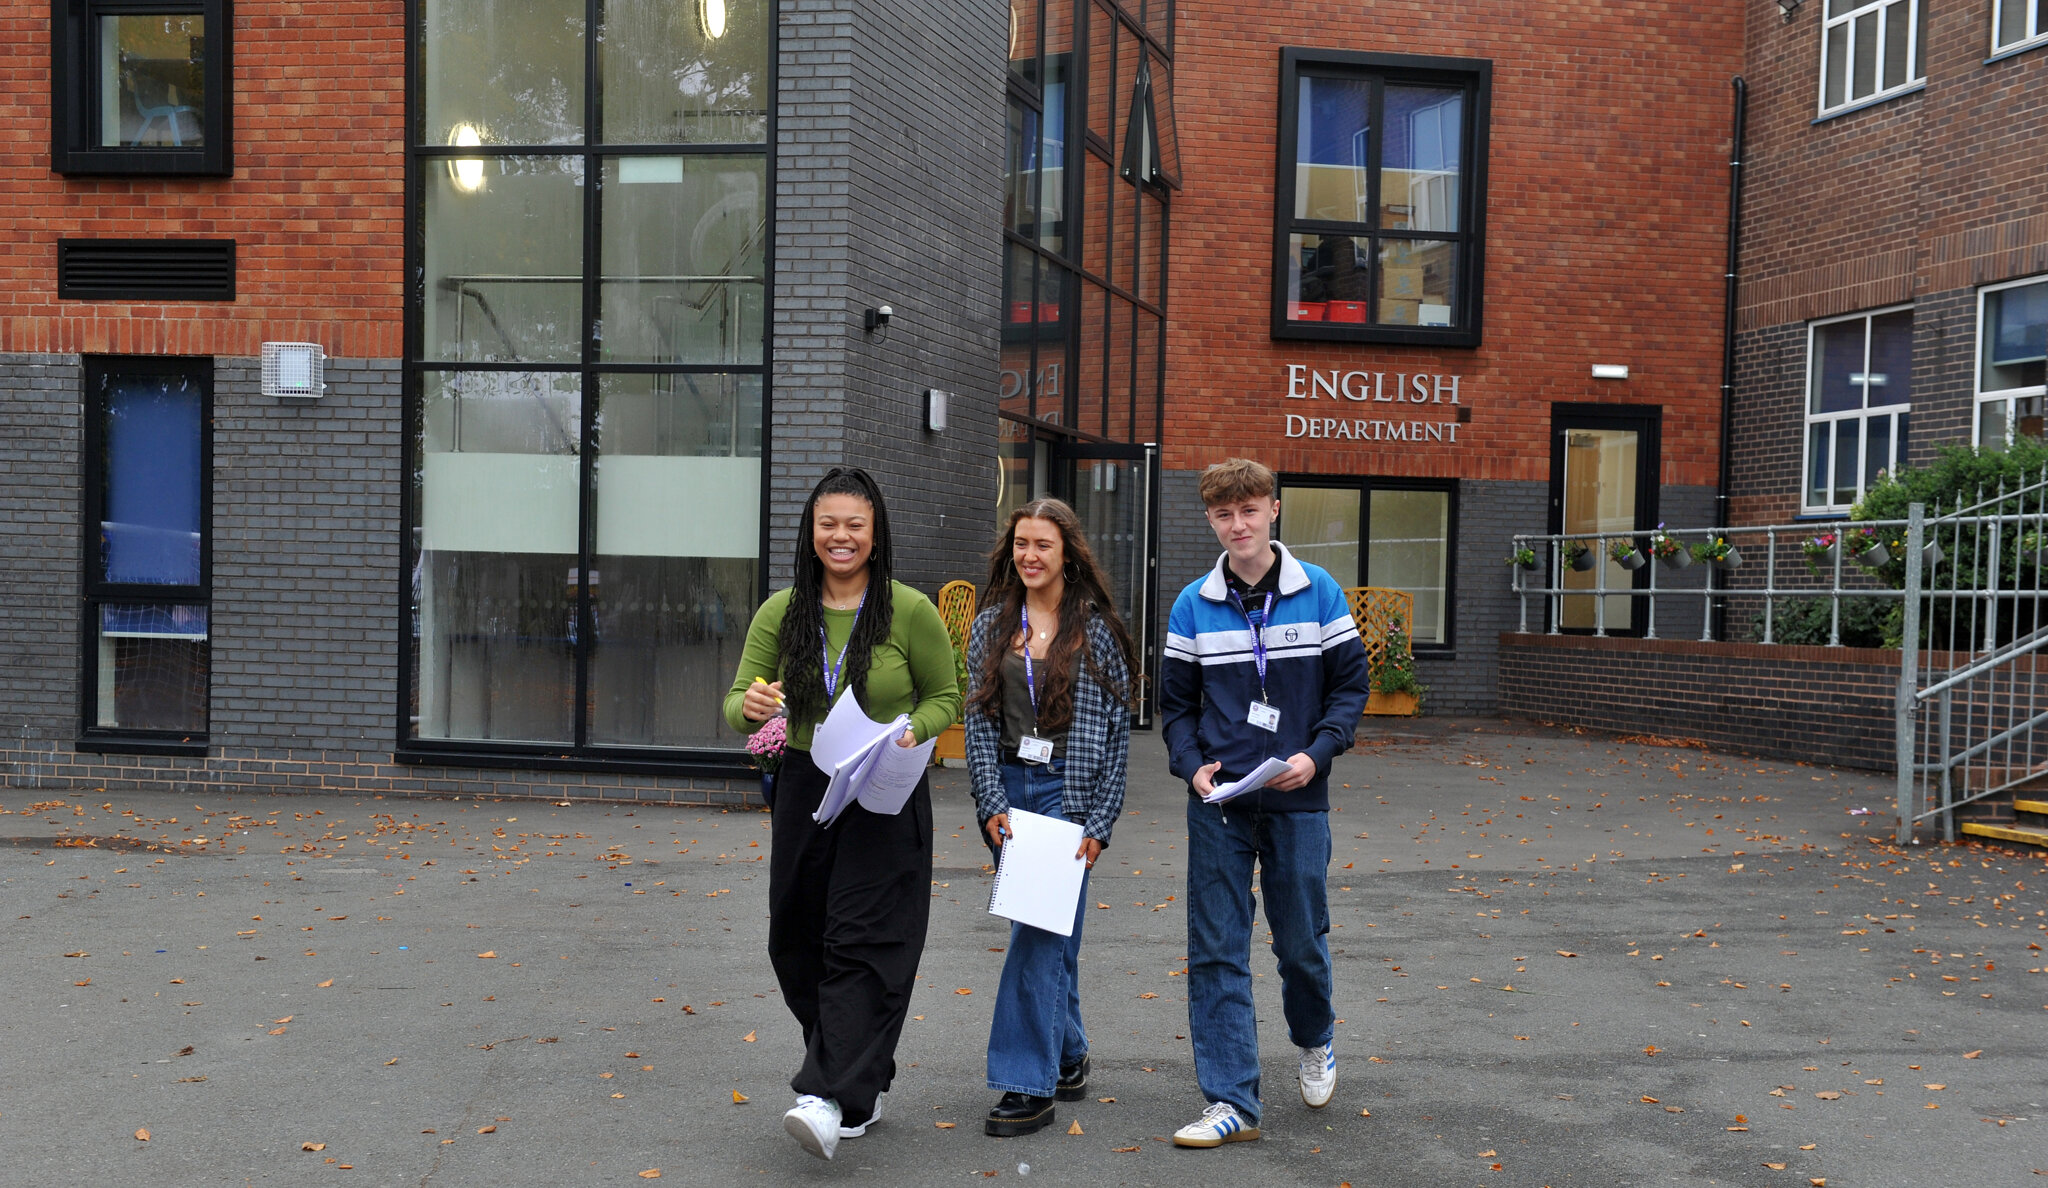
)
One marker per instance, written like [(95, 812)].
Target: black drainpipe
[(1721, 501)]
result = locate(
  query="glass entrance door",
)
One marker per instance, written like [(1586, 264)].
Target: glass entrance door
[(1112, 489), (1603, 479)]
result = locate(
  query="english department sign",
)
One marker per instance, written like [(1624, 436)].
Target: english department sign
[(1371, 388)]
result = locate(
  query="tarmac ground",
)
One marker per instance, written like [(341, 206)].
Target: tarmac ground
[(1531, 928)]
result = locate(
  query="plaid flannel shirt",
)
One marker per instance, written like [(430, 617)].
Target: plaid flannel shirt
[(1098, 743)]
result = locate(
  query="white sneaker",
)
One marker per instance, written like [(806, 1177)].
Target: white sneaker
[(1318, 1075), (847, 1132), (814, 1124), (1219, 1124)]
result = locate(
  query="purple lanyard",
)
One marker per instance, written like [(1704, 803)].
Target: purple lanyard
[(1030, 682), (1258, 636), (825, 661)]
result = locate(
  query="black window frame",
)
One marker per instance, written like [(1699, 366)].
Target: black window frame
[(74, 93), (1473, 74), (581, 754), (94, 591), (1365, 485)]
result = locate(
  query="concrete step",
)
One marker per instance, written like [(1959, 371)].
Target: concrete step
[(2030, 806), (2007, 833)]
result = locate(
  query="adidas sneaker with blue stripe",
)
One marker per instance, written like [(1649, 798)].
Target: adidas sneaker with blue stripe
[(1219, 1124)]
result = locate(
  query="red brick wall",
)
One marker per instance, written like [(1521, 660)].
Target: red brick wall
[(1917, 195), (1606, 228), (315, 206)]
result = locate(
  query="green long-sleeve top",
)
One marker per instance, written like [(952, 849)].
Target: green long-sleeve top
[(909, 673)]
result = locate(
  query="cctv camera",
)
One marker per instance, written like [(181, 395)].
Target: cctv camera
[(878, 317)]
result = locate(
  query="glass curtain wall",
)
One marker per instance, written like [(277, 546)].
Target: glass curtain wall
[(1091, 167), (587, 367)]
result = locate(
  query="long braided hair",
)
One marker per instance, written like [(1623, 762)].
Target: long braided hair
[(1086, 595), (803, 669)]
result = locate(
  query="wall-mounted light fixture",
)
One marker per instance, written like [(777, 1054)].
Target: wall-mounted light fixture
[(711, 18), (1610, 371), (466, 172), (292, 370), (1788, 7), (935, 402), (876, 318)]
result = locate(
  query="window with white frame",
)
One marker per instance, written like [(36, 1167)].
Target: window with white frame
[(1859, 393), (1872, 48), (2012, 353), (2017, 22)]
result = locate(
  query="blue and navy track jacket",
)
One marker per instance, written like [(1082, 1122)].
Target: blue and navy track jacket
[(1316, 676)]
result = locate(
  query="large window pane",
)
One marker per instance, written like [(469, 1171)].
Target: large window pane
[(1330, 179), (1020, 316), (1417, 282), (1848, 443), (1898, 35), (1020, 174), (1818, 439), (152, 484), (495, 582), (1321, 525), (1836, 371), (1863, 68), (1052, 157), (683, 273), (1329, 278), (1834, 92), (153, 662), (685, 71), (502, 71), (1410, 550), (152, 79), (2015, 337), (504, 259), (1889, 378), (1419, 158), (678, 535)]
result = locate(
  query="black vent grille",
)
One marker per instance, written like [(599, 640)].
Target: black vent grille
[(146, 269)]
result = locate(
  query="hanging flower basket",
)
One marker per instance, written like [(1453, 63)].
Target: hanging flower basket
[(1717, 552), (1668, 550), (1728, 560), (1931, 555), (1627, 555), (1874, 557), (1578, 555)]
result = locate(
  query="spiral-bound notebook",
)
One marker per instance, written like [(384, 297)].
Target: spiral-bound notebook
[(1038, 879)]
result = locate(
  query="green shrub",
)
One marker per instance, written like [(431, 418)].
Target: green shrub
[(1866, 622)]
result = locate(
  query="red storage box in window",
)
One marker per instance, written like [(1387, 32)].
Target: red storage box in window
[(1048, 311), (1306, 311), (1347, 311), (1020, 311)]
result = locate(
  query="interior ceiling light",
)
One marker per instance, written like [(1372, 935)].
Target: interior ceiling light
[(466, 172), (712, 15)]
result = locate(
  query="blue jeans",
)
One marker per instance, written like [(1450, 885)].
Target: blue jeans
[(1292, 851), (1037, 1024)]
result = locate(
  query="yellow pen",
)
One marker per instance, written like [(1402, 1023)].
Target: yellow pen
[(779, 708)]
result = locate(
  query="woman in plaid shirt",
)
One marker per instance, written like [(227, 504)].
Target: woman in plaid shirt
[(1048, 732)]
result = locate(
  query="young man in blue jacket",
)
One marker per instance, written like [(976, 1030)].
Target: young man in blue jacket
[(1262, 661)]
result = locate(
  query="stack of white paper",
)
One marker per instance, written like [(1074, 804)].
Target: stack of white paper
[(865, 762), (1038, 880), (1259, 777)]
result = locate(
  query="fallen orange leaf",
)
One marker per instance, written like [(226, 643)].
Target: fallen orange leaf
[(963, 990), (652, 1173), (488, 953), (323, 985), (142, 1135), (747, 1038), (1128, 1150), (738, 1098), (1074, 1127), (1148, 994), (486, 1130), (943, 1125), (312, 1146)]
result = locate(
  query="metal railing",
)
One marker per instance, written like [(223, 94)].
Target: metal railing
[(1968, 619)]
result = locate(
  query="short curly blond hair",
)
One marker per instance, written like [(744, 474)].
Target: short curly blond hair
[(1236, 479)]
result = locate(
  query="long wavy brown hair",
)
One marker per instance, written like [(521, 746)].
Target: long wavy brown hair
[(1087, 594)]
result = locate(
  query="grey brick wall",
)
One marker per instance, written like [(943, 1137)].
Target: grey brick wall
[(305, 561), (889, 192), (40, 437)]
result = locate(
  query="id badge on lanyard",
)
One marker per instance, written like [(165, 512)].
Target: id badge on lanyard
[(1031, 748), (1262, 713)]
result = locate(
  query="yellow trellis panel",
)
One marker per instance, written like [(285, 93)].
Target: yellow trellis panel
[(1379, 611), (956, 610)]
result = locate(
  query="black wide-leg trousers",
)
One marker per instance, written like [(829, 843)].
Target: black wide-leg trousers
[(848, 904)]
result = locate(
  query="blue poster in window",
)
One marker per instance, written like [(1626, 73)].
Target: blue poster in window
[(150, 528)]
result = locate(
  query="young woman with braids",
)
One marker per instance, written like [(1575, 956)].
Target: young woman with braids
[(847, 901), (1048, 732)]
